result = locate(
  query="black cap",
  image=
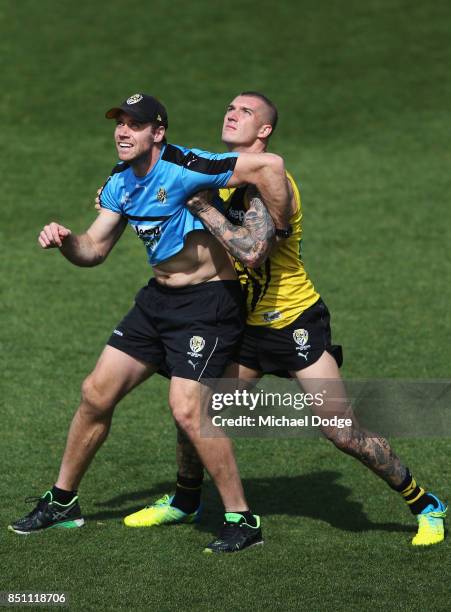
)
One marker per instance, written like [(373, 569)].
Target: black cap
[(143, 108)]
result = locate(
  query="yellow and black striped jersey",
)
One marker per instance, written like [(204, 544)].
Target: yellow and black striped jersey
[(280, 290)]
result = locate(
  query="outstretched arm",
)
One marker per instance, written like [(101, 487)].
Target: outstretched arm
[(249, 243), (267, 172), (90, 248)]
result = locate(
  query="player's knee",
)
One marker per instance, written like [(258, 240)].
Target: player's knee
[(94, 401), (184, 416)]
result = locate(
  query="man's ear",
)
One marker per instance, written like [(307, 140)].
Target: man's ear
[(265, 131), (159, 133)]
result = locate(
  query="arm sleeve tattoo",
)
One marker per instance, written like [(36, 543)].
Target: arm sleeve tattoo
[(251, 242)]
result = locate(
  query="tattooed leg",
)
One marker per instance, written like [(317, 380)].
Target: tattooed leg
[(369, 448), (188, 463), (373, 451)]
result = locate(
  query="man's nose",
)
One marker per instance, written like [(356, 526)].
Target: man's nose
[(123, 131)]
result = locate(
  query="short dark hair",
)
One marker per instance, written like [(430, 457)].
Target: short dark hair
[(272, 108)]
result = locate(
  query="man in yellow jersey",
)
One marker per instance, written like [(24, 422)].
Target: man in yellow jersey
[(287, 328)]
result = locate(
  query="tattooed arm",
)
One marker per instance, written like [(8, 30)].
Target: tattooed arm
[(249, 243)]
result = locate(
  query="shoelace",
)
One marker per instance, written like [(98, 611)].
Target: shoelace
[(41, 503), (228, 528), (41, 500)]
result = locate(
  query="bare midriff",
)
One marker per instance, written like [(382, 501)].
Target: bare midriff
[(201, 260)]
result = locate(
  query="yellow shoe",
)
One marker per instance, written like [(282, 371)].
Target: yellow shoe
[(431, 525), (161, 513)]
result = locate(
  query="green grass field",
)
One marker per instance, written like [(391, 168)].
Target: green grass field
[(364, 96)]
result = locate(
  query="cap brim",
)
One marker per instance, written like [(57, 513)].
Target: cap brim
[(114, 113)]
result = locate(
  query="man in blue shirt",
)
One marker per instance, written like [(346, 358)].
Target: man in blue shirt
[(190, 313)]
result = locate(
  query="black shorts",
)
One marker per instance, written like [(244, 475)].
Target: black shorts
[(291, 348), (192, 332)]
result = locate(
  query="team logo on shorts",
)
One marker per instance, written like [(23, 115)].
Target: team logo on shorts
[(162, 195), (300, 337), (196, 344), (134, 99)]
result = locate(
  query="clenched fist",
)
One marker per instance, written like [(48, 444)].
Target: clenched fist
[(53, 235)]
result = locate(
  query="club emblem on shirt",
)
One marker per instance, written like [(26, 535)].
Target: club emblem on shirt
[(196, 344), (162, 195)]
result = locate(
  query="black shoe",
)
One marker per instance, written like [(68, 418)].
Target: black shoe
[(236, 535), (47, 514)]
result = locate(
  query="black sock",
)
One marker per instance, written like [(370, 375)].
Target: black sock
[(415, 496), (187, 494), (61, 496), (248, 517)]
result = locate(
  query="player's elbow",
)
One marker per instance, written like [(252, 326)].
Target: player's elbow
[(275, 163), (256, 257), (257, 260), (91, 263), (92, 256), (102, 250), (262, 168), (97, 250), (254, 262)]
